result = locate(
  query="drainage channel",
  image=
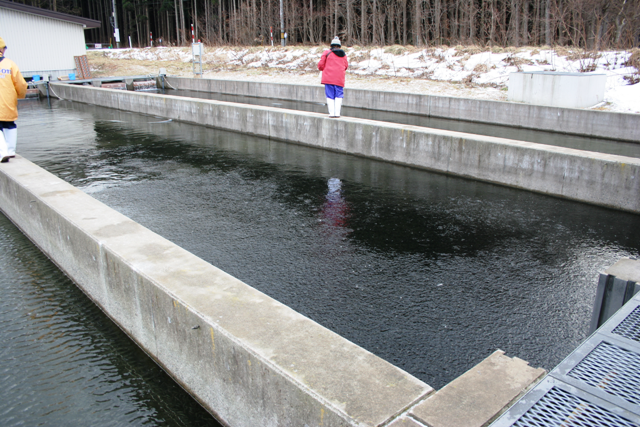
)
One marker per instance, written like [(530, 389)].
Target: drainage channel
[(542, 137)]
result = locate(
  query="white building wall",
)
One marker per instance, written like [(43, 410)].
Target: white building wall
[(41, 45)]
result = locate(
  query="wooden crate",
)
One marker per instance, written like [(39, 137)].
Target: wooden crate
[(82, 67)]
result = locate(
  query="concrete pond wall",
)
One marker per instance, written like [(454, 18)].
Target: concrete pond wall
[(601, 124), (596, 178)]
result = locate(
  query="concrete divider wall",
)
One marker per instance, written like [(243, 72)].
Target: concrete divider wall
[(247, 358), (599, 124), (245, 88), (602, 179)]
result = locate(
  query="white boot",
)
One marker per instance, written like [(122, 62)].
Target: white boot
[(4, 156), (331, 106), (11, 138), (337, 107)]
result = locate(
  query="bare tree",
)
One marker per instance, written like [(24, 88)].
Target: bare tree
[(592, 24), (417, 23)]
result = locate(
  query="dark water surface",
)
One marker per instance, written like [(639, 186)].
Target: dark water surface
[(430, 272), (599, 145)]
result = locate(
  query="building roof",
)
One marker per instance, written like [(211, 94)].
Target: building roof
[(85, 22)]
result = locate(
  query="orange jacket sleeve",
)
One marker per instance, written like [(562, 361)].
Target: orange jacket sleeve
[(19, 83)]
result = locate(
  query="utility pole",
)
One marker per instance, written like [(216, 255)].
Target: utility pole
[(281, 25), (116, 30)]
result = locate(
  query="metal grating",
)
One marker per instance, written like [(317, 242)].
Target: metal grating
[(561, 408), (598, 384), (612, 369), (630, 327)]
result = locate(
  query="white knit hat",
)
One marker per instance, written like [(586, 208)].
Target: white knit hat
[(336, 41)]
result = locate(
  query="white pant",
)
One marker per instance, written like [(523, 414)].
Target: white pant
[(334, 106), (4, 152), (11, 138)]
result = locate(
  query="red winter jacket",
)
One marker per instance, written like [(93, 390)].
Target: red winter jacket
[(333, 64)]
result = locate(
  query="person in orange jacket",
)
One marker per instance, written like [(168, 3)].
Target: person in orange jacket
[(333, 64), (12, 87)]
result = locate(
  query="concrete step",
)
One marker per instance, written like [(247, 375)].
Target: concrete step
[(477, 397)]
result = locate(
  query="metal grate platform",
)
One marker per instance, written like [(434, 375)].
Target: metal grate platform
[(559, 407), (612, 369), (630, 326), (598, 384)]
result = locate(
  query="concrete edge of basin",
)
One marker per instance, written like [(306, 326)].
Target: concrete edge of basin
[(484, 391), (626, 269)]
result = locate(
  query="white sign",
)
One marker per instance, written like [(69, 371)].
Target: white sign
[(98, 45), (116, 34)]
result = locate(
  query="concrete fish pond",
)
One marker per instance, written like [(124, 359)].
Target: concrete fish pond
[(267, 263)]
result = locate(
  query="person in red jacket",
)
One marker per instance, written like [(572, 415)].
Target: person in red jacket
[(333, 64), (12, 87)]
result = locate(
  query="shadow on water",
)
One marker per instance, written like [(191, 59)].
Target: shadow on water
[(430, 272)]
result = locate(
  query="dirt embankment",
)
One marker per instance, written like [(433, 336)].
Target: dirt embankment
[(102, 65)]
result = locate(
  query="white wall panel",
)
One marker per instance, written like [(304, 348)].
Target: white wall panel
[(41, 45), (554, 89)]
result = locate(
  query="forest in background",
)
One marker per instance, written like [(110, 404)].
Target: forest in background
[(585, 24)]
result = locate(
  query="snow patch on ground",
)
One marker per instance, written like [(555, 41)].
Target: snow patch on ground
[(486, 73)]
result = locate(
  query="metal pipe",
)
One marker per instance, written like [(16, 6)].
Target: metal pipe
[(116, 31), (281, 25)]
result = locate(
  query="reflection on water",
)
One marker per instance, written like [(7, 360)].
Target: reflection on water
[(430, 272), (335, 209)]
